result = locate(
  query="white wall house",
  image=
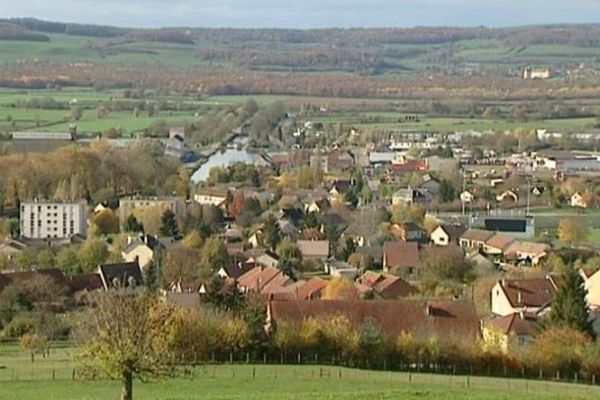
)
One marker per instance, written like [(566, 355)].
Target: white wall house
[(53, 219)]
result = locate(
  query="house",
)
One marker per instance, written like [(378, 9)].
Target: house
[(592, 284), (11, 248), (409, 232), (536, 73), (317, 250), (143, 248), (509, 333), (45, 219), (511, 296), (429, 184), (338, 189), (213, 197), (41, 142), (507, 195), (467, 197), (422, 319), (409, 196), (186, 300), (403, 257), (387, 287), (333, 162), (257, 279), (268, 259), (528, 252), (474, 238), (100, 207), (340, 269), (233, 271), (580, 200), (120, 275), (447, 234), (127, 205), (519, 227), (311, 289), (497, 244), (480, 260)]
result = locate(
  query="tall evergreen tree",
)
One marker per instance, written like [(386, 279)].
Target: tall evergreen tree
[(570, 308), (169, 224), (132, 224), (271, 233)]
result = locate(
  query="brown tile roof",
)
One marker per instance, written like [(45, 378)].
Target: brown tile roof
[(529, 292), (258, 278), (87, 282), (401, 254), (525, 324), (312, 289), (185, 300), (314, 248), (421, 318), (386, 286), (479, 235), (499, 241), (454, 230), (532, 248)]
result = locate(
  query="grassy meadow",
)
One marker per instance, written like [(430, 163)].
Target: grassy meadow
[(52, 378)]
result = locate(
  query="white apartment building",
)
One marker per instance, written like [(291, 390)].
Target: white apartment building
[(53, 219)]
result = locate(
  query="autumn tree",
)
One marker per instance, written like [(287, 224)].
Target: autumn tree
[(92, 253), (33, 343), (572, 231), (214, 253), (106, 221), (122, 338), (339, 289), (445, 267)]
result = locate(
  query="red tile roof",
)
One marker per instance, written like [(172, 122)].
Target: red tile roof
[(524, 324), (401, 254), (421, 318), (537, 292)]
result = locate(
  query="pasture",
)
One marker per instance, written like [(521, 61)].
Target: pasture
[(52, 378)]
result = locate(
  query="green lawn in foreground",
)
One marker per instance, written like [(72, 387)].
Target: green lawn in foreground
[(22, 380)]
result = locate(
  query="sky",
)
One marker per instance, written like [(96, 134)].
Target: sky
[(306, 13)]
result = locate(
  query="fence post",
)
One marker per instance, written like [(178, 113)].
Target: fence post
[(264, 358), (73, 374), (253, 372), (53, 374), (558, 375), (593, 379), (576, 377), (468, 381), (247, 358), (409, 376), (299, 358), (541, 374), (230, 358)]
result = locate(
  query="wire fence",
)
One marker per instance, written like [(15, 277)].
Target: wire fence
[(270, 365)]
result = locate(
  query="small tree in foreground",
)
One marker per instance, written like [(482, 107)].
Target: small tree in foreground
[(122, 338), (33, 343)]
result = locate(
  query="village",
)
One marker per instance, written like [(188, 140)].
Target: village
[(439, 226)]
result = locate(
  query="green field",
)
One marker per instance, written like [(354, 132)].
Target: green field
[(53, 379)]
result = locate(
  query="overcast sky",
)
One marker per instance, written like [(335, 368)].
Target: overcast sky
[(306, 13)]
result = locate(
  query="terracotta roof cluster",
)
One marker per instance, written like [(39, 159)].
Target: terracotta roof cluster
[(531, 248), (537, 292), (421, 318), (273, 283), (386, 286)]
